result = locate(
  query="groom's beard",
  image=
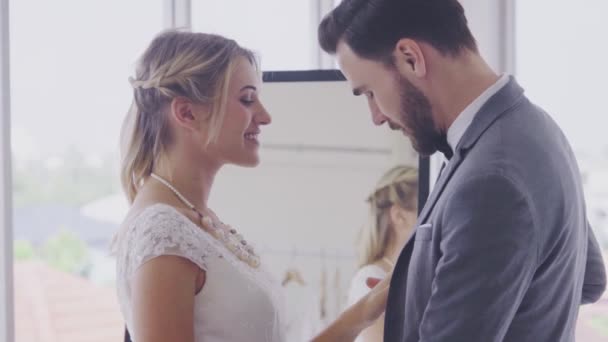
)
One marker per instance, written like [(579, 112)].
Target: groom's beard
[(417, 115)]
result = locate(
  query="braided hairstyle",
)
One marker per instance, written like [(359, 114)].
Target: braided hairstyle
[(197, 66)]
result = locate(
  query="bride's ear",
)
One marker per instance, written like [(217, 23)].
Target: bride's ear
[(187, 114)]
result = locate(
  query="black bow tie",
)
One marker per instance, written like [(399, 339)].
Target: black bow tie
[(444, 147)]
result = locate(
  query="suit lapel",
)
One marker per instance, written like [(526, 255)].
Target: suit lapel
[(439, 186), (507, 97), (394, 317)]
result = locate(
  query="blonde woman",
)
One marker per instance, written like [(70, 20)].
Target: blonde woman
[(393, 205), (182, 274)]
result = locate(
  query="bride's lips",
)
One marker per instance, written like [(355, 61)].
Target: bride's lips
[(252, 137)]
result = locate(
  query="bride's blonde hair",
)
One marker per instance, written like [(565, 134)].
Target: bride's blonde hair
[(399, 186), (177, 63)]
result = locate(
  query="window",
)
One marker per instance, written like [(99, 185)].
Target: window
[(562, 64), (282, 33), (69, 91)]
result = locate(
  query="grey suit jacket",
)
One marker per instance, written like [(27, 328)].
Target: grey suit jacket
[(502, 250)]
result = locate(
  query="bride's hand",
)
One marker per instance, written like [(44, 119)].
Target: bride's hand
[(372, 305), (359, 316)]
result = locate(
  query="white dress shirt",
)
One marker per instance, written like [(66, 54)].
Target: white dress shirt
[(464, 120)]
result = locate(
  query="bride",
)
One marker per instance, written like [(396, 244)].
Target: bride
[(183, 274)]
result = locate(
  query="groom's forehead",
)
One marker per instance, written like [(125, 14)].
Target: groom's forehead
[(357, 70)]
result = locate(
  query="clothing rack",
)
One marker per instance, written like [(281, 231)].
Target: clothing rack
[(296, 252)]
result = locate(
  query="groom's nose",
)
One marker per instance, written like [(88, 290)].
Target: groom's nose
[(378, 118)]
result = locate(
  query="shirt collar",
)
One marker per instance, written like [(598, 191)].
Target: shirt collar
[(464, 120)]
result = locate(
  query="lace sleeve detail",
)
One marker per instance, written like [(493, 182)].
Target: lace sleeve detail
[(162, 230)]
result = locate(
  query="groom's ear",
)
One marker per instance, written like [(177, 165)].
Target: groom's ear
[(409, 58)]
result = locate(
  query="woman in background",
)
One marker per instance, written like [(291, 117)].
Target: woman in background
[(393, 212)]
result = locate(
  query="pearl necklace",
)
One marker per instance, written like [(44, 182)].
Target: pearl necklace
[(224, 233)]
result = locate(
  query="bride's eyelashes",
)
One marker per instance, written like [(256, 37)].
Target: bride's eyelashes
[(247, 102)]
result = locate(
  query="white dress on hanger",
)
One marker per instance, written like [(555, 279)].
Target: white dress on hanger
[(237, 303)]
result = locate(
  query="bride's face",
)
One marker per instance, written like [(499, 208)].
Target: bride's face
[(238, 140)]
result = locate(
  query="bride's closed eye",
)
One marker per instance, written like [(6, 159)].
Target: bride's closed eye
[(248, 95), (247, 101)]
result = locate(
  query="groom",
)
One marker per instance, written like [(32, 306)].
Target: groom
[(502, 250)]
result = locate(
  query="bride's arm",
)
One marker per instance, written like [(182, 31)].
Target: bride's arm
[(163, 292), (359, 316)]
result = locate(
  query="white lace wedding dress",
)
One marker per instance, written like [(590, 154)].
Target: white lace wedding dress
[(237, 303)]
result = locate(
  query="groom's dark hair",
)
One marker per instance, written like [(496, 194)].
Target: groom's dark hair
[(371, 28)]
